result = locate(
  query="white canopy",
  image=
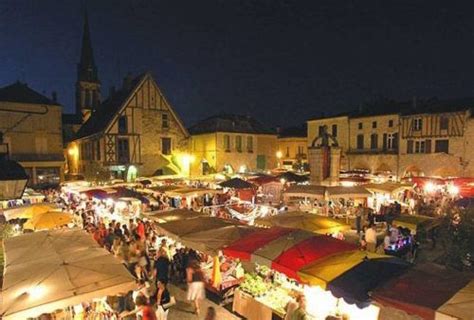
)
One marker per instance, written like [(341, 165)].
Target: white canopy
[(50, 270)]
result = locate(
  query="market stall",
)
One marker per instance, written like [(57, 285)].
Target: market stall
[(28, 212), (50, 270), (416, 223), (304, 221), (428, 291), (48, 220), (180, 228), (386, 193), (164, 216), (244, 190)]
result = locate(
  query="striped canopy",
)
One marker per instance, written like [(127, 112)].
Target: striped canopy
[(286, 250)]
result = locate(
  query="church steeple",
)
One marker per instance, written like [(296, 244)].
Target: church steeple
[(88, 84), (86, 69)]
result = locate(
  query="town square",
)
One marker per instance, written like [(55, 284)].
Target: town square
[(261, 160)]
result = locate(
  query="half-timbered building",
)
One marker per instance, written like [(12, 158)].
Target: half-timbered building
[(431, 138), (134, 131)]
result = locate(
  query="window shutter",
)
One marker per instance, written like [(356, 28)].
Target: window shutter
[(384, 141), (395, 141), (410, 146), (428, 146)]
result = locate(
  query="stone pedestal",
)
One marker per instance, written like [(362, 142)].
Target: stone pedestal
[(315, 160), (316, 165)]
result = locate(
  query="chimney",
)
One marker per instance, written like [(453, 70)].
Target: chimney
[(54, 96), (127, 81), (278, 129), (111, 91)]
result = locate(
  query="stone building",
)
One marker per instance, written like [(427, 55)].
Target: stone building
[(133, 132), (292, 149), (31, 133), (232, 143), (430, 138)]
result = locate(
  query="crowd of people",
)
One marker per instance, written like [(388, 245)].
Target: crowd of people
[(152, 259)]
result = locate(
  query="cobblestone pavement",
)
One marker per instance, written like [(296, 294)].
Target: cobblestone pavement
[(183, 310)]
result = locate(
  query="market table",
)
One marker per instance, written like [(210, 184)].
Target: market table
[(245, 305)]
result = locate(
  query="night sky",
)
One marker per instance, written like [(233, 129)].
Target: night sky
[(280, 61)]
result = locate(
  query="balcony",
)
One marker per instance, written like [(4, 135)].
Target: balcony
[(372, 151)]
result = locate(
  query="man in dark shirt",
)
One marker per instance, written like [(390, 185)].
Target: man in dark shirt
[(162, 265)]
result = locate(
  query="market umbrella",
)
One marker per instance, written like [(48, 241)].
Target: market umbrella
[(27, 212), (213, 240), (321, 272), (236, 183), (310, 191), (300, 248), (243, 248), (416, 222), (173, 215), (423, 290), (62, 275), (180, 228), (461, 305), (355, 284), (48, 220), (96, 193), (304, 221), (216, 273), (347, 192)]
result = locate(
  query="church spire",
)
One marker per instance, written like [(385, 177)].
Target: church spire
[(86, 69), (88, 84)]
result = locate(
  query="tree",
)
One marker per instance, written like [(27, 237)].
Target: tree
[(456, 235), (95, 172)]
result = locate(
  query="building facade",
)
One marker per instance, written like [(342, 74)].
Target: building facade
[(430, 139), (292, 149), (133, 132), (232, 143), (31, 132)]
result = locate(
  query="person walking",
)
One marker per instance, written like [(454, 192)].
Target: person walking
[(371, 238), (195, 279), (358, 213)]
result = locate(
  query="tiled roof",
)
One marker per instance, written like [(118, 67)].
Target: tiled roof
[(230, 123), (406, 108), (105, 113), (21, 93)]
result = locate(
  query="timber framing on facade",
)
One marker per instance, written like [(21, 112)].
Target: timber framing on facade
[(135, 126)]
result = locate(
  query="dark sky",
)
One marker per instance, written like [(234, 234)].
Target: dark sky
[(280, 61)]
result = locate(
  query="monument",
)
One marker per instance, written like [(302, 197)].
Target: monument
[(324, 159)]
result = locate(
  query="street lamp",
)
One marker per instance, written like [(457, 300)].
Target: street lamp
[(13, 180)]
